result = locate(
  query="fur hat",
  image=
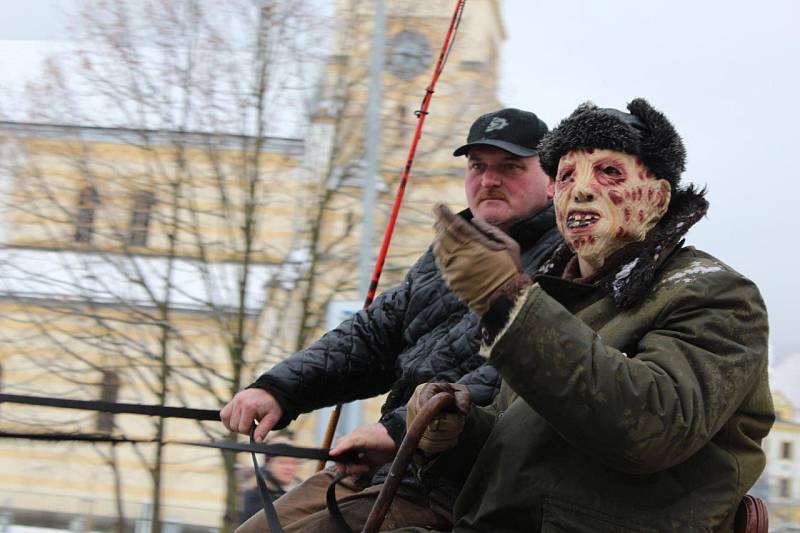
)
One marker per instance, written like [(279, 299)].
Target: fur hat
[(644, 132)]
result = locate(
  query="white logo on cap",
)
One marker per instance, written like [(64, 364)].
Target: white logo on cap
[(497, 123)]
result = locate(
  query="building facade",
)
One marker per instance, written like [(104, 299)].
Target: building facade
[(127, 275), (780, 483)]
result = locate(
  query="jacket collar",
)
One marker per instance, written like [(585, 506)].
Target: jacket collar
[(628, 275), (528, 230)]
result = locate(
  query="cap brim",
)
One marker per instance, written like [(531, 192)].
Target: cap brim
[(503, 145)]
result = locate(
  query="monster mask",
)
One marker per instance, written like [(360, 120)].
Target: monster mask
[(606, 199)]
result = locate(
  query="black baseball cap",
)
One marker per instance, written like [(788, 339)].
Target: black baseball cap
[(512, 130)]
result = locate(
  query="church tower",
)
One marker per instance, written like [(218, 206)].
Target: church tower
[(415, 31)]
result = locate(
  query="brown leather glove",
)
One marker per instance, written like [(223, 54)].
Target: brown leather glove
[(474, 257), (442, 433)]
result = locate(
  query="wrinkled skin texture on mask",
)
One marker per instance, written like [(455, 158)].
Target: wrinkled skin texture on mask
[(605, 200)]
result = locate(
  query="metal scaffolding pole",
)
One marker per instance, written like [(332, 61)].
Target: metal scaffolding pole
[(372, 146)]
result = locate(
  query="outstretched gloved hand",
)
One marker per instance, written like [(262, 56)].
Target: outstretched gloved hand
[(475, 258), (442, 433)]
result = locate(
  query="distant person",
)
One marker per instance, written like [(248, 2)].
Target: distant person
[(280, 475), (412, 333), (635, 393)]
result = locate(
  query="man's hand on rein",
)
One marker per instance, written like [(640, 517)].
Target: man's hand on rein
[(475, 258)]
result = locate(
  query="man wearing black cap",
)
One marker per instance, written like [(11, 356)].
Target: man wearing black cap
[(504, 178), (635, 393), (416, 332)]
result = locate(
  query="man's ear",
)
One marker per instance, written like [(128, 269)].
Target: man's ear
[(551, 189)]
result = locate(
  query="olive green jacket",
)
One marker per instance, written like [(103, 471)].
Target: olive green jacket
[(646, 416)]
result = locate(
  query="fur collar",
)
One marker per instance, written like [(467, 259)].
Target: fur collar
[(628, 274)]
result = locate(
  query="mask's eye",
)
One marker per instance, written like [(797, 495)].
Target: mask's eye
[(565, 174), (612, 171)]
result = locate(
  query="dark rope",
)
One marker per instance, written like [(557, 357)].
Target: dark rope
[(277, 449), (79, 437), (112, 407), (266, 500)]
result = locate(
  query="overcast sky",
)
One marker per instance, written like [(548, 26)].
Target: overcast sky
[(724, 72)]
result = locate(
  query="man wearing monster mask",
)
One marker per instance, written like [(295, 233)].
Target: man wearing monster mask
[(635, 392)]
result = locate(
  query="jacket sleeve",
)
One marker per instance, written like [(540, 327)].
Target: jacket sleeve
[(353, 361), (483, 383), (646, 411)]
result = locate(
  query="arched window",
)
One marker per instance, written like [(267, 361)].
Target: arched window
[(88, 200), (140, 218)]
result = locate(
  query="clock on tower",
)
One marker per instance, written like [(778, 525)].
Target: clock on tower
[(408, 54)]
